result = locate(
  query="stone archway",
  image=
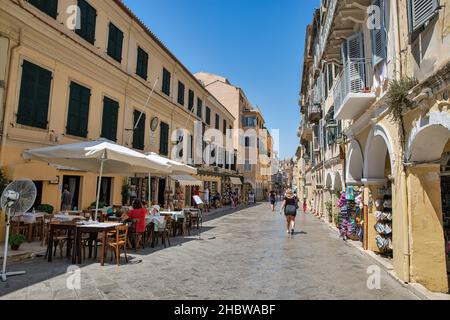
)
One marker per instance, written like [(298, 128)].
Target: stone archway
[(427, 142), (329, 182), (337, 183), (355, 163), (378, 146), (429, 137)]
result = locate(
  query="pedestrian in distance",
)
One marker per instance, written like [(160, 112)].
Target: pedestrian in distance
[(66, 199), (273, 200), (289, 207)]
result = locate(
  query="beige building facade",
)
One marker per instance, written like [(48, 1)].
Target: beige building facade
[(393, 151), (109, 77)]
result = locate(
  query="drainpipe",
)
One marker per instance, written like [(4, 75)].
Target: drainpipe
[(6, 100)]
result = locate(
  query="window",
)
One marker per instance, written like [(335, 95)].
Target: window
[(208, 116), (181, 93), (199, 108), (247, 142), (250, 121), (191, 100), (164, 139), (330, 76), (217, 122), (109, 120), (88, 21), (34, 96), (142, 63), (224, 126), (77, 120), (378, 35), (49, 7), (420, 12), (166, 82), (139, 130), (115, 42), (247, 166)]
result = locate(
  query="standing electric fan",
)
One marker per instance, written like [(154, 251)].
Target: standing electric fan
[(18, 196)]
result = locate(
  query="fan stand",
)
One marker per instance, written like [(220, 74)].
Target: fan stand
[(4, 275)]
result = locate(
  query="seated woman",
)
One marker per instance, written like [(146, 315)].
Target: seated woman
[(138, 213)]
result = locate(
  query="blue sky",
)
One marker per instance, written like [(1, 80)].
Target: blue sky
[(257, 44)]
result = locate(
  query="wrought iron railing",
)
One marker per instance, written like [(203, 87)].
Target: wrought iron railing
[(354, 78)]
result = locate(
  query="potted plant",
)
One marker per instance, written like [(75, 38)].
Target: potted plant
[(329, 208), (47, 208), (15, 241)]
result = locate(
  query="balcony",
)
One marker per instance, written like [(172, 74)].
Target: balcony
[(305, 132), (315, 113), (352, 92)]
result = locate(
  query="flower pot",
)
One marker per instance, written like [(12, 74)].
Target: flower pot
[(15, 247)]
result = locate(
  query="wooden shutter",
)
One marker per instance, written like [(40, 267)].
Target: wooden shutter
[(88, 21), (110, 118), (181, 92), (166, 82), (217, 122), (34, 96), (420, 12), (139, 130), (142, 63), (378, 36), (355, 66), (115, 42), (77, 121), (191, 100), (208, 116), (164, 139), (49, 7), (199, 108)]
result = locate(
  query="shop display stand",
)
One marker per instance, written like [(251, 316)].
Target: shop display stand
[(383, 226)]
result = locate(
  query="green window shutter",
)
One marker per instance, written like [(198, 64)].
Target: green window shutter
[(50, 7), (110, 119), (181, 92), (217, 122), (208, 116), (77, 121), (34, 96), (115, 42), (88, 21), (166, 82), (142, 64), (199, 108), (164, 139), (224, 126), (139, 130), (191, 100)]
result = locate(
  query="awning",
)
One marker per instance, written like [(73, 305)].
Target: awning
[(186, 180), (235, 181)]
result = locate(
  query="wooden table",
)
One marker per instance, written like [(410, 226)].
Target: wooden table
[(97, 228), (71, 228)]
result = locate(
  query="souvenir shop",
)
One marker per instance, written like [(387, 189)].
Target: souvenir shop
[(382, 205), (351, 214)]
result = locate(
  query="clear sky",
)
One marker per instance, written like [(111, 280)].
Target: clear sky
[(257, 44)]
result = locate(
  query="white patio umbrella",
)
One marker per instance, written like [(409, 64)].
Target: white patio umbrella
[(97, 156), (176, 168)]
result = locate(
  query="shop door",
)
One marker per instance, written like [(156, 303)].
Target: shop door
[(161, 190), (105, 190), (445, 194), (73, 183), (38, 200)]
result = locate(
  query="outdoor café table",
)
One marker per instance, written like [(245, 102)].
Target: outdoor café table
[(58, 225), (103, 227), (29, 218), (158, 222), (65, 217), (174, 214)]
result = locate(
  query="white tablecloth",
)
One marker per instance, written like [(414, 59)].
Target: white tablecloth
[(174, 214)]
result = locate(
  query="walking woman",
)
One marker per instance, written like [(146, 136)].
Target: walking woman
[(273, 201), (289, 206)]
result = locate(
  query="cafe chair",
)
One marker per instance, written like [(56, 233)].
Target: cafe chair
[(118, 242), (163, 231), (138, 238)]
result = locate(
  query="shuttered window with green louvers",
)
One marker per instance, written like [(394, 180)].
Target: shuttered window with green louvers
[(199, 108), (50, 7), (115, 42), (164, 139), (139, 130), (166, 82), (78, 115), (191, 100), (142, 63), (34, 96), (88, 21), (110, 119)]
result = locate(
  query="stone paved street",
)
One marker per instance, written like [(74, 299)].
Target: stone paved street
[(243, 255)]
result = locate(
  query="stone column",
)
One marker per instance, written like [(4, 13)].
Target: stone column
[(427, 247)]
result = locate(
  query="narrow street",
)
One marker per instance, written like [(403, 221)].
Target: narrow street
[(243, 255)]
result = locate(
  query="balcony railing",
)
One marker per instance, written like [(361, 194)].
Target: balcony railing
[(352, 92), (326, 27), (314, 112)]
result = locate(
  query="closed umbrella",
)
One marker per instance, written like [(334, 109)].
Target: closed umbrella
[(97, 156)]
